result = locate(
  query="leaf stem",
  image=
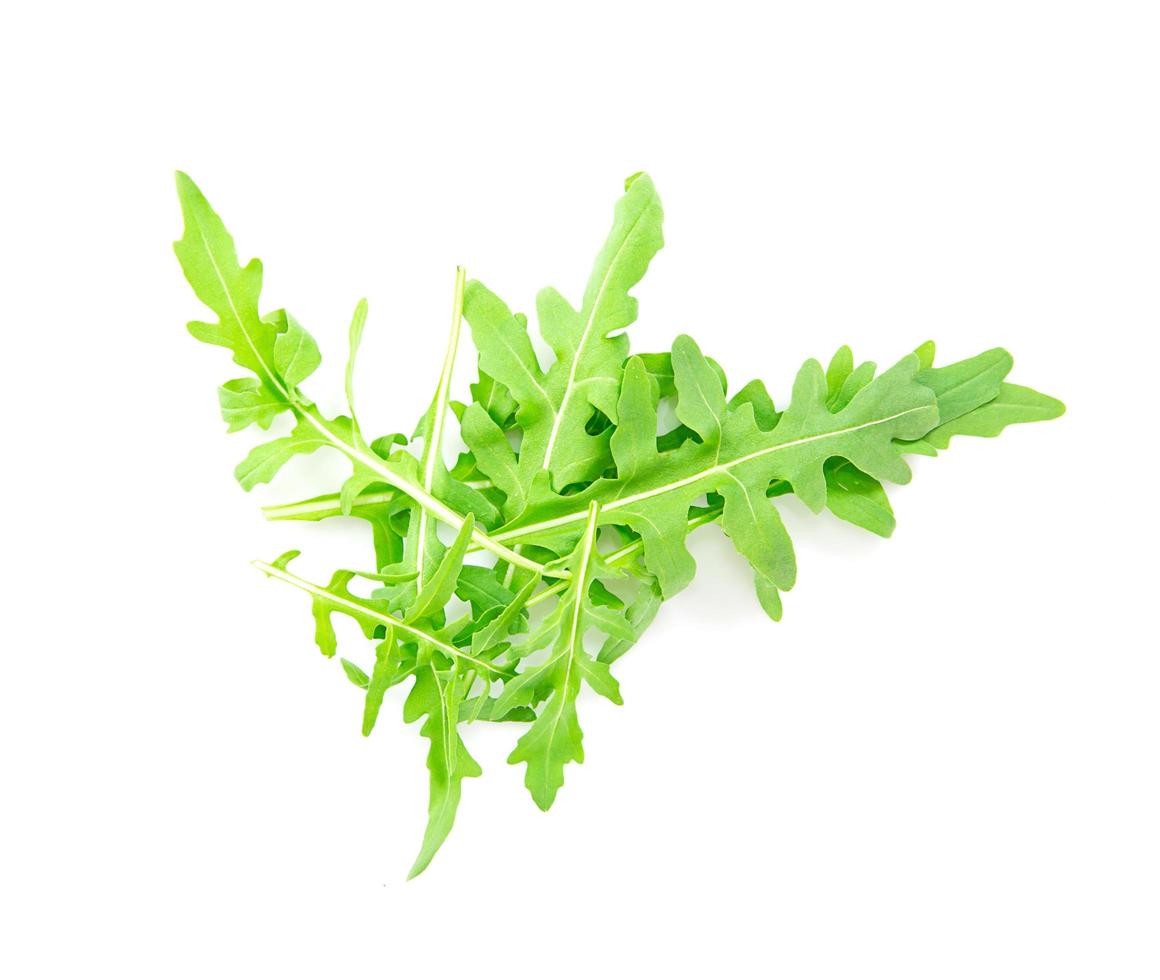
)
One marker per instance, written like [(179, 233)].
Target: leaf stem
[(433, 444), (363, 609), (623, 553)]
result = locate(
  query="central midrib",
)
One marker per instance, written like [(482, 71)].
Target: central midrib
[(270, 375), (570, 387), (694, 478), (581, 581)]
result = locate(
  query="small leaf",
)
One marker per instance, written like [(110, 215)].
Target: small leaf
[(296, 355), (264, 461), (841, 366), (448, 760), (860, 499), (354, 673), (380, 680), (1013, 405), (357, 323), (441, 585), (246, 401)]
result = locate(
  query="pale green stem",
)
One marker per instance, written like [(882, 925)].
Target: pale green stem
[(433, 446), (369, 611), (328, 505), (625, 552)]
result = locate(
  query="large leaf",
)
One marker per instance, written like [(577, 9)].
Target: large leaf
[(653, 491), (555, 405)]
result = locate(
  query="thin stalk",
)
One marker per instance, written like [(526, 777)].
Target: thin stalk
[(329, 505), (623, 553), (429, 504), (433, 444), (370, 612)]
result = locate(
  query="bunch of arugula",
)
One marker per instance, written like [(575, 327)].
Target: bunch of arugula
[(569, 508)]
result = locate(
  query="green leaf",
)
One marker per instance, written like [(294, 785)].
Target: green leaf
[(736, 457), (435, 695), (355, 674), (506, 622), (358, 322), (494, 399), (754, 526), (641, 611), (659, 368), (482, 588), (246, 401), (1012, 405), (387, 672), (860, 499), (440, 585), (965, 385), (555, 737), (265, 460), (555, 405), (841, 367), (296, 355), (494, 456), (755, 395), (855, 381), (210, 263), (281, 354)]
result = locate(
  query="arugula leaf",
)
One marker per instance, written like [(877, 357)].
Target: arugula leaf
[(580, 505), (555, 405), (555, 737), (208, 258), (436, 695), (858, 498), (355, 674), (1013, 404), (653, 492)]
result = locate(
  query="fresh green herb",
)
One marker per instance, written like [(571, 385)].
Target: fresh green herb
[(581, 529)]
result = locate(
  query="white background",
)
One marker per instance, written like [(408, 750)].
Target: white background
[(942, 763)]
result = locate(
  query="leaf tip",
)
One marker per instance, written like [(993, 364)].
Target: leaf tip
[(925, 352), (285, 558), (188, 193)]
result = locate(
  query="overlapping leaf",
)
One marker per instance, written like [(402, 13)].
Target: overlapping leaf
[(555, 738), (653, 491), (554, 406), (580, 504)]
